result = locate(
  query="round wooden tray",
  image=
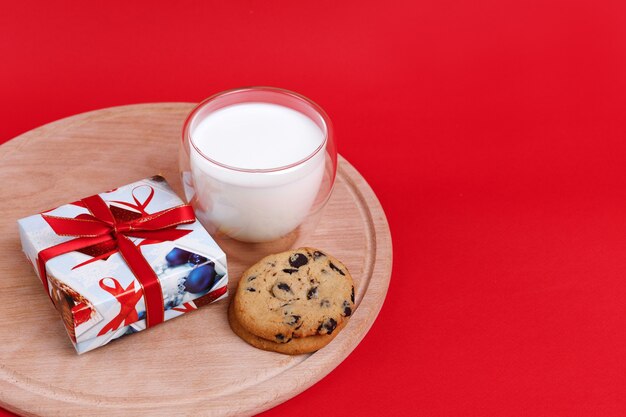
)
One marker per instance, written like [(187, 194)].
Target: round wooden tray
[(191, 365)]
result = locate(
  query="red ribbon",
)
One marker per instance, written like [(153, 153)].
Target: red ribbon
[(186, 308), (208, 298), (139, 206), (128, 298), (101, 226)]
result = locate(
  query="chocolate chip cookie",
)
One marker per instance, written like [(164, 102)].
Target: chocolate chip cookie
[(294, 294), (294, 347)]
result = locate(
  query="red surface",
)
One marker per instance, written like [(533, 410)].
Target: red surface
[(493, 133)]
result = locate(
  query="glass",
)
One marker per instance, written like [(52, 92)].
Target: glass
[(244, 171)]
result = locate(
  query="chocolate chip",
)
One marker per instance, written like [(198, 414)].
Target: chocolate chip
[(334, 268), (312, 293), (284, 287), (325, 303), (251, 278), (298, 259), (318, 254), (290, 270), (250, 289), (329, 325), (280, 336), (293, 320), (352, 295), (347, 311)]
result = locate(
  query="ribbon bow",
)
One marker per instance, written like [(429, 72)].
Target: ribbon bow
[(101, 226), (127, 298)]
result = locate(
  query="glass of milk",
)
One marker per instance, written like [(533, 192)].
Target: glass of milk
[(258, 163)]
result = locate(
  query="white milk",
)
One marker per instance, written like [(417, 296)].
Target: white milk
[(256, 206)]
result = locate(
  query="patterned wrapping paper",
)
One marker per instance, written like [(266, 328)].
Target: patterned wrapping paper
[(94, 289)]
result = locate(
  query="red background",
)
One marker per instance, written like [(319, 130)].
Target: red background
[(492, 131)]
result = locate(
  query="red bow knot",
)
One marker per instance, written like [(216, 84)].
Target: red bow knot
[(128, 298), (101, 226)]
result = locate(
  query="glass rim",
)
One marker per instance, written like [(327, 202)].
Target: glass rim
[(327, 130)]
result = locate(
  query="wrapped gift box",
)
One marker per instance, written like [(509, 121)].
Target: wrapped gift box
[(123, 260)]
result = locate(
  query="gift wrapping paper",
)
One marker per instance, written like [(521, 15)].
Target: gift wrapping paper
[(94, 289)]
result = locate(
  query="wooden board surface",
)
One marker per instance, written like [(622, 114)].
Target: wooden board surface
[(193, 364)]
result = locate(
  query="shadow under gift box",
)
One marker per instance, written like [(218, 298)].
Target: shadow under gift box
[(98, 297)]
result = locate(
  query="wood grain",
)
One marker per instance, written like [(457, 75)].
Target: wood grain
[(191, 365)]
